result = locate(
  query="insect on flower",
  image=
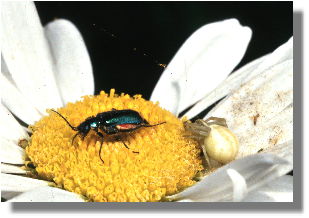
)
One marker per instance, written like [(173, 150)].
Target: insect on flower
[(110, 122), (217, 141)]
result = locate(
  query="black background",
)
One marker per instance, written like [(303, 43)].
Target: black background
[(158, 29)]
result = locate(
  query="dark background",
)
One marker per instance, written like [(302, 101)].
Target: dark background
[(127, 40)]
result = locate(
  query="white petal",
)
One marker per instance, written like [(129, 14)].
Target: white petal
[(257, 170), (228, 85), (74, 71), (267, 94), (203, 61), (9, 127), (185, 200), (243, 75), (11, 153), (267, 134), (27, 55), (12, 185), (17, 102), (6, 168), (278, 190), (239, 184), (4, 69), (280, 55), (285, 151), (47, 194)]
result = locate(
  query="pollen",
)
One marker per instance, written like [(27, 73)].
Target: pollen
[(160, 161)]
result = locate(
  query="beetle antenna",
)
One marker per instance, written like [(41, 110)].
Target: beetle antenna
[(148, 125), (72, 127)]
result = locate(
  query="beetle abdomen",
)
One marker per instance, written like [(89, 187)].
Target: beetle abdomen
[(127, 119)]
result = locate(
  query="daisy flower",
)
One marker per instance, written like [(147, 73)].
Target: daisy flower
[(48, 67)]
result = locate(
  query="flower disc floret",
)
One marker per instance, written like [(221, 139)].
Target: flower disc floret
[(165, 164)]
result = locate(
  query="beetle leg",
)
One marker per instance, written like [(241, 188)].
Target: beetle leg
[(125, 145), (78, 133), (101, 136), (135, 152)]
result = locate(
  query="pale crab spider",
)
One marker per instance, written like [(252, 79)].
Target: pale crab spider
[(217, 141)]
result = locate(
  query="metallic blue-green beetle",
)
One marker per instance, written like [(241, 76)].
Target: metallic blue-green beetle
[(110, 122)]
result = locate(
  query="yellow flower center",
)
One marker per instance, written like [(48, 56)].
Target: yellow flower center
[(165, 164)]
